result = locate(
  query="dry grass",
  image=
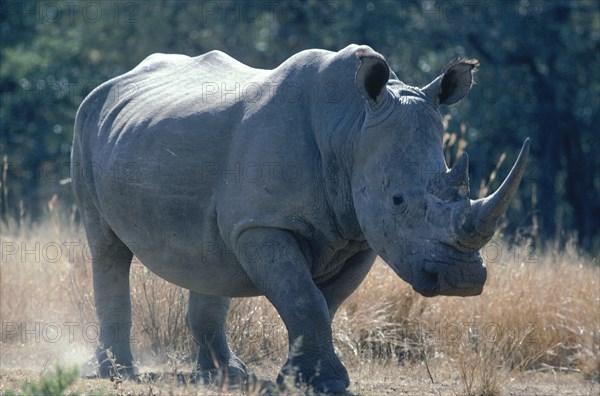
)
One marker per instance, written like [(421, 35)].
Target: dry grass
[(536, 314)]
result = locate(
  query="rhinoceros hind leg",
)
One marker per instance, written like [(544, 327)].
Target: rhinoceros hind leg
[(206, 318), (111, 260)]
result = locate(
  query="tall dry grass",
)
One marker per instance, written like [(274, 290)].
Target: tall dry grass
[(537, 312)]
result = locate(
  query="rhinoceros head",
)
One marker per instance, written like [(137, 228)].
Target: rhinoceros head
[(413, 210)]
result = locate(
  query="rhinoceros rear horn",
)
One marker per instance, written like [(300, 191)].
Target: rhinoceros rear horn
[(454, 83), (480, 223), (372, 75), (454, 184), (458, 177)]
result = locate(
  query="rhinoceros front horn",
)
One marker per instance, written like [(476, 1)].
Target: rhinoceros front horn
[(479, 224)]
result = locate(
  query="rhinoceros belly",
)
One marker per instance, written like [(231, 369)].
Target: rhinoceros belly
[(158, 193), (178, 240)]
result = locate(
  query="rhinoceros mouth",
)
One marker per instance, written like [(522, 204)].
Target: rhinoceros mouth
[(432, 280), (426, 283)]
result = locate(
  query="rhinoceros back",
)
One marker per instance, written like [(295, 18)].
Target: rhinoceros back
[(147, 142)]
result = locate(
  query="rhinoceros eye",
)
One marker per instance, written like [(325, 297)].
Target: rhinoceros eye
[(398, 199)]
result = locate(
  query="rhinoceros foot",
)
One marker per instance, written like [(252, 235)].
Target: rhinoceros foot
[(112, 366), (233, 375), (326, 375)]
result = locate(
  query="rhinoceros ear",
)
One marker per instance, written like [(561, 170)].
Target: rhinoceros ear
[(372, 75), (454, 83)]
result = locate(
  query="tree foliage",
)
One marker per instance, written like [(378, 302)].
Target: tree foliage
[(539, 77)]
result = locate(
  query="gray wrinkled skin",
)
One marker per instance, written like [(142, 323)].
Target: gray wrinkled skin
[(231, 181)]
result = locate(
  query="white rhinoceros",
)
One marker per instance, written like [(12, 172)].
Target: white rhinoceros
[(232, 181)]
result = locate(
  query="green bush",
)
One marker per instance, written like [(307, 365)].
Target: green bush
[(51, 384)]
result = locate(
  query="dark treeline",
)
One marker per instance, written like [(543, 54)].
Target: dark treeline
[(539, 77)]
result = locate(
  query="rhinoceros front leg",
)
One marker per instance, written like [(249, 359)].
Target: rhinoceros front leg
[(206, 318), (111, 261), (274, 261)]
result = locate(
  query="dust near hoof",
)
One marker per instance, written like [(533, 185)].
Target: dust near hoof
[(209, 379)]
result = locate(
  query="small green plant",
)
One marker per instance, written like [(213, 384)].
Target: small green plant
[(51, 384)]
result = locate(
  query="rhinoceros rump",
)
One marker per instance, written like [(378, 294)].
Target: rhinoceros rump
[(232, 181)]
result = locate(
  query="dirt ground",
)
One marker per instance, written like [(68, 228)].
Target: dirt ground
[(374, 380), (370, 377)]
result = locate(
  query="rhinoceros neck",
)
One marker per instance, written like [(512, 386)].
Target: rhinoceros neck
[(337, 120), (336, 164)]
